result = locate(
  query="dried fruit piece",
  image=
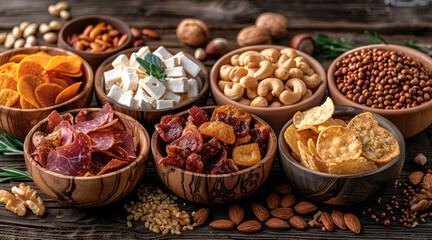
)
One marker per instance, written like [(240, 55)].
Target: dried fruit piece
[(338, 219), (68, 93), (327, 220), (8, 97), (236, 213), (233, 111), (305, 208), (273, 201), (27, 85), (247, 154), (218, 130), (276, 223), (337, 143), (352, 222), (288, 200), (250, 226), (314, 116), (298, 223), (222, 224), (201, 216), (282, 213), (260, 212), (46, 94)]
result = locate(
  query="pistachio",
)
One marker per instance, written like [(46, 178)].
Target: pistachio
[(64, 15), (9, 42), (30, 30), (19, 43), (50, 37), (23, 25), (55, 25), (44, 28), (2, 37), (16, 32)]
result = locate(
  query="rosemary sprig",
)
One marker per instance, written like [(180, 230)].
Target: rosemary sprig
[(376, 38), (13, 174), (411, 44), (332, 48), (10, 145)]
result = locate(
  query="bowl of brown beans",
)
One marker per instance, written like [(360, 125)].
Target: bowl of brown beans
[(95, 37), (393, 81)]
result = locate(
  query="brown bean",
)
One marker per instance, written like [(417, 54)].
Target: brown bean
[(97, 30), (87, 30), (135, 32), (122, 40), (103, 43), (85, 43), (79, 46), (106, 37), (95, 45), (139, 43), (113, 33)]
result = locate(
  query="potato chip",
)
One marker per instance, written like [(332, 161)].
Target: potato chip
[(59, 82), (306, 158), (46, 93), (219, 130), (8, 97), (292, 136), (66, 65), (307, 134), (337, 143), (42, 59), (26, 88), (323, 166), (352, 166), (379, 145), (247, 154), (4, 77), (17, 58), (331, 122), (5, 67), (233, 111), (11, 70), (9, 83), (68, 93), (340, 122), (17, 103), (314, 116), (32, 68), (25, 105), (362, 121)]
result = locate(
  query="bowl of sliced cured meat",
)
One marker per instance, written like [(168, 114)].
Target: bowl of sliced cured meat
[(87, 158)]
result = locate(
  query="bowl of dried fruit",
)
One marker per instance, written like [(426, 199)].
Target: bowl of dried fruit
[(270, 81), (213, 155), (148, 83), (393, 81), (87, 158), (340, 155), (37, 80)]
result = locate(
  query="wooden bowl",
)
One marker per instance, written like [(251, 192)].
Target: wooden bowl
[(77, 25), (95, 191), (276, 117), (148, 117), (342, 190), (18, 122), (214, 189), (409, 121)]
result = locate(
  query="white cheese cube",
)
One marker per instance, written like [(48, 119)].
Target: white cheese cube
[(175, 72), (142, 104), (162, 53), (129, 79), (178, 57), (200, 83), (176, 85), (133, 62), (128, 100), (115, 93), (111, 77), (142, 52), (172, 96), (129, 93), (193, 88), (154, 87), (142, 95), (171, 62), (121, 61), (162, 104), (140, 69), (190, 66)]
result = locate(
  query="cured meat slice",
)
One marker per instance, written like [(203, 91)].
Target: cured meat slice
[(83, 116), (97, 163), (112, 165), (118, 152), (103, 138), (106, 115), (67, 133), (170, 127), (40, 155), (127, 143), (54, 119), (178, 162), (72, 159), (197, 116)]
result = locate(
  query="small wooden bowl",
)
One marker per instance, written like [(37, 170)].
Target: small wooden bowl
[(409, 121), (214, 189), (342, 190), (148, 117), (18, 122), (276, 117), (77, 25), (95, 191)]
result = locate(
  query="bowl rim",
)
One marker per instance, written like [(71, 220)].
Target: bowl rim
[(388, 112), (271, 147), (288, 157), (141, 157), (319, 69), (86, 66), (101, 93), (102, 18)]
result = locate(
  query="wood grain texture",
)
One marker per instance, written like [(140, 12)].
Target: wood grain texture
[(18, 122), (218, 188), (96, 191)]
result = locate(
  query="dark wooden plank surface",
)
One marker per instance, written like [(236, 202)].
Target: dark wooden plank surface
[(225, 18)]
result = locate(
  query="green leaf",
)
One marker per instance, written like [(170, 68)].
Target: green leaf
[(150, 57), (144, 64), (152, 65)]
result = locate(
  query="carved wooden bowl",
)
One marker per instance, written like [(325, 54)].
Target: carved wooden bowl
[(148, 117), (18, 122), (214, 189), (276, 117), (342, 190), (95, 191)]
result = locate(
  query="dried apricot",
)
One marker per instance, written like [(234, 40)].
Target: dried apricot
[(233, 111), (246, 155), (218, 130)]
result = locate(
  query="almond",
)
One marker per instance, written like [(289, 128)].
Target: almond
[(236, 213), (428, 179), (305, 207), (327, 220), (352, 222), (282, 213), (201, 216), (288, 200), (283, 188), (260, 212), (276, 223), (250, 226), (338, 219), (150, 33), (298, 223), (222, 224), (416, 177), (273, 201)]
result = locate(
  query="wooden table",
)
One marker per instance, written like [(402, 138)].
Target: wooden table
[(225, 19)]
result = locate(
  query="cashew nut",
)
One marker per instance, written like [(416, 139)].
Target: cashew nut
[(235, 60), (265, 70), (306, 69), (251, 93), (281, 73), (296, 73), (289, 97), (297, 85), (234, 92), (225, 71), (308, 94), (274, 85), (286, 62), (312, 81), (271, 54), (243, 56), (289, 52), (237, 73), (244, 101), (249, 82), (252, 71), (276, 104), (222, 83), (269, 97), (259, 102), (253, 60), (299, 59)]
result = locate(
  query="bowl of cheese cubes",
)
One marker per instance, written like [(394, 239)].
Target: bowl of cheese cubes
[(147, 83)]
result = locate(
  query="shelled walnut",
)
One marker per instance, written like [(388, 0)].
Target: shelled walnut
[(25, 197)]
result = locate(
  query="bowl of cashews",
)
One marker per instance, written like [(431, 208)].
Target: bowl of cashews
[(273, 82)]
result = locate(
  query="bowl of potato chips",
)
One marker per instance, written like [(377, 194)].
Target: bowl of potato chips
[(340, 155)]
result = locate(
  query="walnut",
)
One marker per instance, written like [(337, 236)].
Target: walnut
[(275, 24), (192, 32), (24, 197), (253, 35), (421, 200)]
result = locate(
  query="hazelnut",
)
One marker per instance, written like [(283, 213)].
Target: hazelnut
[(303, 42), (253, 35), (192, 32), (200, 54), (274, 23), (50, 37), (217, 47), (420, 160)]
